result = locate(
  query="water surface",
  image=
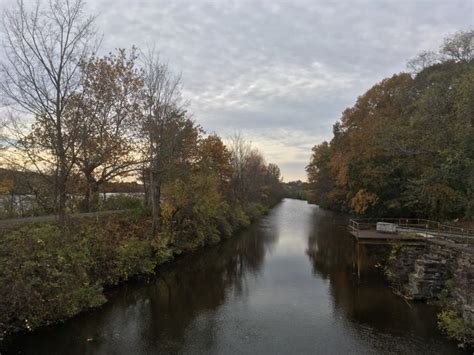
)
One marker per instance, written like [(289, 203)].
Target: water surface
[(285, 285)]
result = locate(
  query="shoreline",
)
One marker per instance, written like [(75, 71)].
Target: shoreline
[(140, 271)]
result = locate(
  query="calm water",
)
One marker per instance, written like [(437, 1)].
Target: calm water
[(286, 285)]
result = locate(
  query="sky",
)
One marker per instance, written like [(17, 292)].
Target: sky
[(279, 72)]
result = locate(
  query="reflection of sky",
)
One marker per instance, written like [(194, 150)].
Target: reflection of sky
[(288, 309), (258, 294), (292, 229), (285, 289)]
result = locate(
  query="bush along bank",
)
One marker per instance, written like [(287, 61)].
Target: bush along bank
[(48, 275), (439, 272)]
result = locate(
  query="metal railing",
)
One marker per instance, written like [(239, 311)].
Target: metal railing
[(415, 224)]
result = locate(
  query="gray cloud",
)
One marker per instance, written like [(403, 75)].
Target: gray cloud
[(280, 72)]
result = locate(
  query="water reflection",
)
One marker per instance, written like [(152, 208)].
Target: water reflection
[(285, 285), (155, 315), (377, 316)]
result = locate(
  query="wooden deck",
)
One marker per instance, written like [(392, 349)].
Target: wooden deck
[(374, 237), (408, 231)]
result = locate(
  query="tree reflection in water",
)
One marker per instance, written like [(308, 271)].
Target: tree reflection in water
[(255, 293), (368, 303), (154, 315)]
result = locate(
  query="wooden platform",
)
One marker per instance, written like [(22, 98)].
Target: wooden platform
[(374, 237), (407, 232)]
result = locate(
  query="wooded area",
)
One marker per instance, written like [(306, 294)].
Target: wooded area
[(78, 124), (406, 148), (77, 121)]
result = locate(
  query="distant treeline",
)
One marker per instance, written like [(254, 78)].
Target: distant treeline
[(14, 182), (295, 189), (406, 148)]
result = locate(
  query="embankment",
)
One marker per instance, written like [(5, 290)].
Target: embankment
[(442, 272), (48, 275)]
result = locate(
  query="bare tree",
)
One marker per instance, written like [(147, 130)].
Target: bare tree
[(460, 46), (43, 47), (422, 61), (240, 151), (169, 134)]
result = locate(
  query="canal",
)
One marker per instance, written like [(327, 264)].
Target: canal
[(285, 285)]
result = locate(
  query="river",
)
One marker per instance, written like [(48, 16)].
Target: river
[(286, 285)]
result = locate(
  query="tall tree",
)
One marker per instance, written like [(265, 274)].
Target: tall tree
[(214, 158), (459, 47), (406, 146), (170, 136), (240, 151), (43, 48), (108, 106)]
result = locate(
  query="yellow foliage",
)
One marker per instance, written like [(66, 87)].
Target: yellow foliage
[(6, 186), (363, 200)]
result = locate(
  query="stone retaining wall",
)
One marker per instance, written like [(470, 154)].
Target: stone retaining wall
[(436, 269)]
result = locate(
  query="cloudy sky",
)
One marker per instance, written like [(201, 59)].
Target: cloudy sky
[(280, 72)]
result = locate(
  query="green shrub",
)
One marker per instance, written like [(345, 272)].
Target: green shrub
[(43, 278), (47, 276), (135, 257), (238, 218), (452, 323), (255, 210), (162, 250)]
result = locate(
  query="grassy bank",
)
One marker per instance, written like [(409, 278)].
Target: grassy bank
[(47, 276)]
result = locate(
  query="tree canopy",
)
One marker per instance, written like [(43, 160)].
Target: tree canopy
[(406, 148)]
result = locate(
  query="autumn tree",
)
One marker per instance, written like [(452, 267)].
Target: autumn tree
[(274, 189), (169, 135), (321, 178), (215, 158), (253, 177), (405, 147), (108, 105)]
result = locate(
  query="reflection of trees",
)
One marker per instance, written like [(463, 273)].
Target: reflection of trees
[(329, 248), (331, 251), (201, 282), (149, 317)]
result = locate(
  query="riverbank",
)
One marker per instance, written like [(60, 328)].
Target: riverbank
[(283, 285), (49, 276), (438, 272)]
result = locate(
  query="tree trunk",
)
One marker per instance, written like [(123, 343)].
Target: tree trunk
[(94, 197), (62, 159), (87, 199), (62, 202), (155, 187), (62, 192), (146, 190), (91, 197)]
